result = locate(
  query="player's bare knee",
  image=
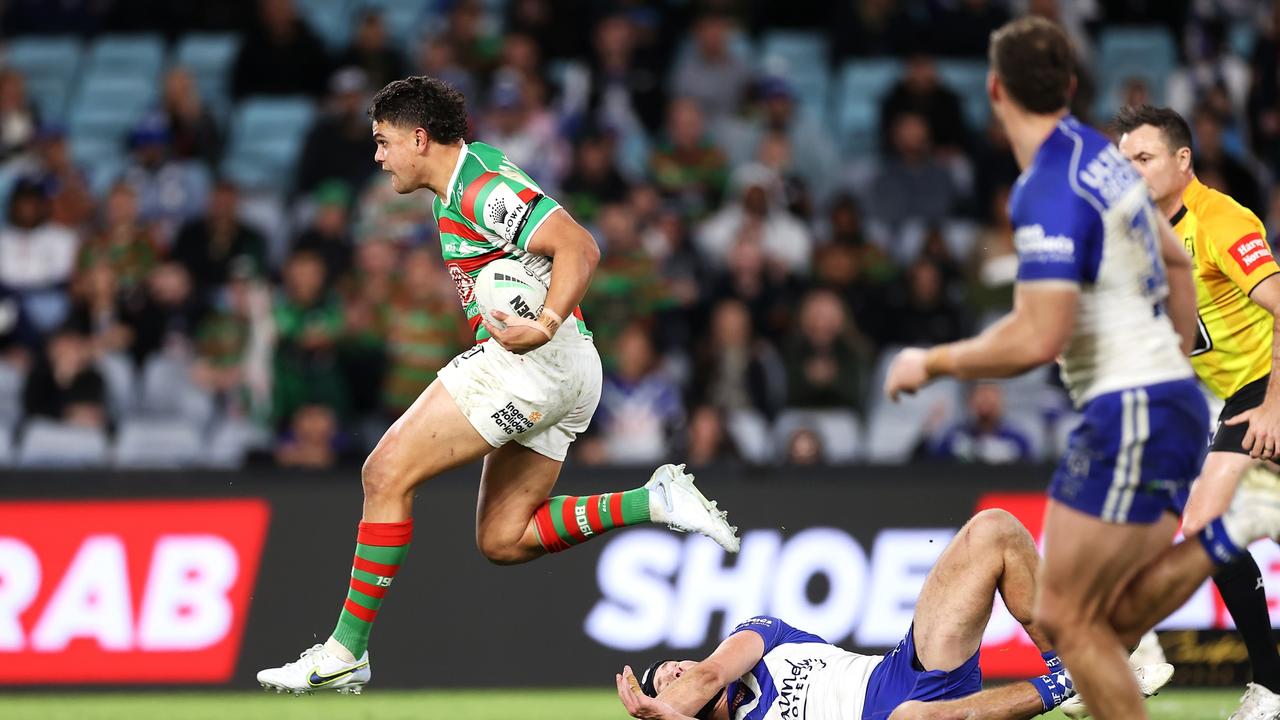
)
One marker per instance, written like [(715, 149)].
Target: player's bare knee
[(379, 475), (499, 550), (995, 527)]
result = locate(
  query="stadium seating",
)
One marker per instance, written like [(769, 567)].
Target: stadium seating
[(168, 393), (6, 445), (230, 441), (118, 375), (11, 384), (968, 78), (53, 444), (209, 58), (862, 84), (49, 65), (406, 20), (800, 57), (840, 432), (329, 19), (266, 138), (1137, 52), (157, 444), (138, 56)]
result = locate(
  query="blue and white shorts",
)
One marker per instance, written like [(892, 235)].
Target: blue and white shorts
[(1135, 454)]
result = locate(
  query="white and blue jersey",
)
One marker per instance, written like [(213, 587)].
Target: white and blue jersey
[(803, 677), (1083, 218)]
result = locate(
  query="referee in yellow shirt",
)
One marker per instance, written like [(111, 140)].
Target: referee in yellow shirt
[(1238, 298)]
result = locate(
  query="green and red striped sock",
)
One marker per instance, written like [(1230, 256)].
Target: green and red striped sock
[(380, 549), (566, 520)]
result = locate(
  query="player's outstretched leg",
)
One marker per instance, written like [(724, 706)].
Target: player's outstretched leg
[(516, 521), (430, 438)]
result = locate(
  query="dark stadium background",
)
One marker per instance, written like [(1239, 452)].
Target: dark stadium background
[(207, 290)]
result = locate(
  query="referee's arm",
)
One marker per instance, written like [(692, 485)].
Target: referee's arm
[(1262, 439)]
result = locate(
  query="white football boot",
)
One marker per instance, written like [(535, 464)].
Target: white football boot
[(1148, 652), (317, 669), (1150, 679), (1258, 703), (675, 501)]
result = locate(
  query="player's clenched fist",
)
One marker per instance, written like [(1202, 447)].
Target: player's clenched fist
[(907, 373)]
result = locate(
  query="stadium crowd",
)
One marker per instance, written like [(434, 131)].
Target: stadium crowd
[(782, 192)]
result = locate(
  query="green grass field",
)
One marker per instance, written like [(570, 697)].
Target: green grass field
[(429, 705)]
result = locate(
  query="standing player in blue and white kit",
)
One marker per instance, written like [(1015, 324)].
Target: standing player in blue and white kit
[(1105, 287)]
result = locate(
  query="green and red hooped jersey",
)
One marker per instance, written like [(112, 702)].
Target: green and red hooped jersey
[(490, 210)]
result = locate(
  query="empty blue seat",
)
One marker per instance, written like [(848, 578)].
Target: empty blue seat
[(793, 49), (266, 137), (140, 55), (863, 83), (406, 20), (49, 65), (329, 19), (968, 78), (1147, 53)]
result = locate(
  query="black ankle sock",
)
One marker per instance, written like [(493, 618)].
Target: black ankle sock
[(1240, 585)]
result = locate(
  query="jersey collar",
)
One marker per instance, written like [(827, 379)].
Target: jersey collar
[(457, 169), (1177, 217), (1194, 190)]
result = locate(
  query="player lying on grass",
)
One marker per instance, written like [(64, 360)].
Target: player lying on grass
[(515, 400), (768, 670)]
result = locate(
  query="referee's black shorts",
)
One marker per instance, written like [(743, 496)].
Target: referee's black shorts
[(1228, 438)]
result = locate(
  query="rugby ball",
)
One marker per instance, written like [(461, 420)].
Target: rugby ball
[(508, 285)]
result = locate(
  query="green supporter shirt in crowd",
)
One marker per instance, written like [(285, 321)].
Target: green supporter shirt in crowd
[(490, 210)]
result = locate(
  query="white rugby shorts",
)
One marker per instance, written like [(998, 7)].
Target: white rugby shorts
[(541, 399)]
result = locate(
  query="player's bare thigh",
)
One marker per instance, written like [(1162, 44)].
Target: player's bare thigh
[(1088, 562), (516, 480), (1212, 491), (956, 599), (431, 437)]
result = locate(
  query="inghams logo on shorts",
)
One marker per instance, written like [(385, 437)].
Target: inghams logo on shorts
[(511, 421)]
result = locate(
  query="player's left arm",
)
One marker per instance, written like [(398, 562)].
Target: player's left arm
[(735, 657), (574, 256), (1262, 439)]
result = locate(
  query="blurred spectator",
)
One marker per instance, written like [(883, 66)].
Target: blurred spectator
[(309, 324), (735, 372), (870, 28), (911, 183), (1264, 95), (776, 112), (639, 408), (337, 145), (18, 118), (195, 132), (65, 182), (1217, 168), (995, 262), (207, 246), (36, 256), (853, 268), (233, 345), (710, 74), (371, 50), (965, 28), (708, 443), (385, 214), (69, 17), (1212, 65), (122, 243), (328, 235), (19, 339), (994, 168), (170, 191), (626, 287), (826, 365), (687, 166), (624, 90), (64, 385), (775, 154), (280, 55), (925, 316), (1273, 214), (169, 315), (759, 214), (425, 331), (519, 124), (311, 441), (436, 58), (804, 447), (99, 313), (767, 291), (473, 47), (521, 58), (920, 91), (984, 436), (594, 180), (542, 21)]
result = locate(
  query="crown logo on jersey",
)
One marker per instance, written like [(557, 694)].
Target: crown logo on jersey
[(497, 211)]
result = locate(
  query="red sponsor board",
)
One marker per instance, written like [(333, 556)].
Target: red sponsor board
[(126, 591)]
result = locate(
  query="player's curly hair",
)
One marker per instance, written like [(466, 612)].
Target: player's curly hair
[(422, 102)]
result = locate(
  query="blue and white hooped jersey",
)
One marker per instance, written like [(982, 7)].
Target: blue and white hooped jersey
[(800, 677), (1083, 216)]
